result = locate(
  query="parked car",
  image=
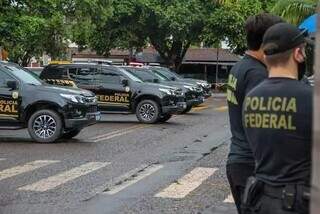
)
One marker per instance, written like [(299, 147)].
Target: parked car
[(176, 77), (118, 91), (49, 112), (194, 95)]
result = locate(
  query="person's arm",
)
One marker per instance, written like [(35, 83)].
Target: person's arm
[(253, 78)]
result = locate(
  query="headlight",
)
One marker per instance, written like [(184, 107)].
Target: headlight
[(167, 91), (189, 87), (73, 98)]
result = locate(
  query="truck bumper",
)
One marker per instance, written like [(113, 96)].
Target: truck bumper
[(88, 120), (195, 102), (174, 109)]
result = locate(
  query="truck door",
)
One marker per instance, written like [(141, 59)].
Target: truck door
[(112, 95), (10, 101)]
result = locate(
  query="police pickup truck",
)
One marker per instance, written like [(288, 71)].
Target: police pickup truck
[(177, 78), (193, 93), (118, 91), (49, 112)]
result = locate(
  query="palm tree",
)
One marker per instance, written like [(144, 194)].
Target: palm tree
[(295, 11)]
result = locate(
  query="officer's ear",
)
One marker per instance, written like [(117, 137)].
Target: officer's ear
[(299, 54)]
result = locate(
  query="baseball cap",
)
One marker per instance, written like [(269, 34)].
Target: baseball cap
[(283, 37)]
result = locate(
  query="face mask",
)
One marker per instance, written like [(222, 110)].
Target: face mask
[(302, 68)]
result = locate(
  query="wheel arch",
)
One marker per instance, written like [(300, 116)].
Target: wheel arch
[(146, 97), (42, 105)]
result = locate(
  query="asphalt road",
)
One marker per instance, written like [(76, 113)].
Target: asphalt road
[(122, 166)]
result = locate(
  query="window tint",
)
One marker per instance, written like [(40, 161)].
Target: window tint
[(106, 76), (73, 73), (85, 75), (54, 73), (3, 79)]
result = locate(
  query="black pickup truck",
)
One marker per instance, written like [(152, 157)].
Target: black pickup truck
[(194, 94), (49, 112), (118, 91), (177, 78)]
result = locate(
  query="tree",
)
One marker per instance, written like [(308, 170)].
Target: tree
[(172, 26), (28, 28), (295, 11), (227, 23)]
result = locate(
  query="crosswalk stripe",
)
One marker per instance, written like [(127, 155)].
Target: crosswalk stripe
[(7, 173), (61, 178), (141, 176), (229, 199), (187, 183), (115, 133), (2, 159)]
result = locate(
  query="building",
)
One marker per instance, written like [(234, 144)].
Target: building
[(210, 64)]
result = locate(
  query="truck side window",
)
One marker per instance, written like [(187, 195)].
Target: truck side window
[(54, 73), (85, 76), (73, 73), (107, 76), (3, 79)]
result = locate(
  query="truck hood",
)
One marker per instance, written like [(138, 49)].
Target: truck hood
[(64, 90)]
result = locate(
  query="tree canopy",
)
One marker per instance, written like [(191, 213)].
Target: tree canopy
[(29, 28)]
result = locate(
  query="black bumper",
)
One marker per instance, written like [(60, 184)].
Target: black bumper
[(88, 120), (174, 109), (207, 93), (196, 101)]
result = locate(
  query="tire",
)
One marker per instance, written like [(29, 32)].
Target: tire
[(188, 109), (71, 134), (164, 118), (42, 134), (148, 111)]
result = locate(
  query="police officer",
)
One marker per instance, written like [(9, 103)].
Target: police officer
[(277, 118), (244, 76)]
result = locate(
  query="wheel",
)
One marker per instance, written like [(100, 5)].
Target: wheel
[(148, 111), (187, 110), (71, 134), (45, 126), (164, 118)]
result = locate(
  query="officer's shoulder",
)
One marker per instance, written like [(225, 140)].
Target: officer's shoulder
[(246, 65)]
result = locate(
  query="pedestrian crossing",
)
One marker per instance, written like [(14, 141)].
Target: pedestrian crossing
[(187, 183), (14, 171), (179, 189), (59, 179)]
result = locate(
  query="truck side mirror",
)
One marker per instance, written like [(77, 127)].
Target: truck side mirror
[(12, 84), (156, 80), (124, 82)]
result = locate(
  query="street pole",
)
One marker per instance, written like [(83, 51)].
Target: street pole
[(217, 68), (315, 199)]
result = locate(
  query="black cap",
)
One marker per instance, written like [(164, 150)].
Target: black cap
[(282, 37)]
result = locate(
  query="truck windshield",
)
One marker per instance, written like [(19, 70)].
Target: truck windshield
[(131, 76), (24, 75), (160, 76), (166, 72)]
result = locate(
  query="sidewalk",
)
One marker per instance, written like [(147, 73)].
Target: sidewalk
[(225, 209)]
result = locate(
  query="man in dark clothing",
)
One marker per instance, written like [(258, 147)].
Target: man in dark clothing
[(277, 118), (244, 76)]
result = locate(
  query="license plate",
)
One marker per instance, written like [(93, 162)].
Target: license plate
[(98, 117)]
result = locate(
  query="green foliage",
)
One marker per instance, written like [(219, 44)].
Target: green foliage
[(227, 23), (172, 26), (295, 11), (30, 27)]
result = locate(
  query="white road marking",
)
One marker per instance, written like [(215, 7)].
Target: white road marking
[(7, 173), (229, 199), (187, 183), (115, 133), (128, 183), (113, 136), (61, 178), (2, 159)]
